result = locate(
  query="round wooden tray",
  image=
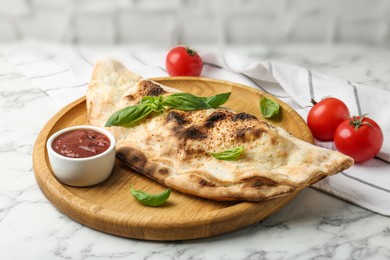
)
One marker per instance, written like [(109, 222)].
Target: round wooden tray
[(109, 206)]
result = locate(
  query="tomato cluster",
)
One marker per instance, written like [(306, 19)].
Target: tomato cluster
[(359, 137)]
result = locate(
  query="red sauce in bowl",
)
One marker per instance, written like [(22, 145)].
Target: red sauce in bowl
[(81, 143)]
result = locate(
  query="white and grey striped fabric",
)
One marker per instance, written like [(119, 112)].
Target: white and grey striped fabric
[(63, 72)]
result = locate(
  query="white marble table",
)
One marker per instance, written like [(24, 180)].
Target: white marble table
[(312, 226)]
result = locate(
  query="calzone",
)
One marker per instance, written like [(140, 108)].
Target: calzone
[(175, 147)]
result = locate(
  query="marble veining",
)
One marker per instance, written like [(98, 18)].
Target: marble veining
[(314, 225)]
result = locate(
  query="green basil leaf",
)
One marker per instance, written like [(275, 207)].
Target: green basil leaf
[(152, 200), (128, 116), (268, 107), (155, 103), (217, 100), (185, 101), (230, 154)]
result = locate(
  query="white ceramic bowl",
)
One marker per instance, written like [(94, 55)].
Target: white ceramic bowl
[(82, 171)]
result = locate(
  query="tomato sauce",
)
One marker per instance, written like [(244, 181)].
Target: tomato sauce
[(81, 143)]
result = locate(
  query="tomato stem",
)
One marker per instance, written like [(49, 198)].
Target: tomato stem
[(357, 122), (190, 51)]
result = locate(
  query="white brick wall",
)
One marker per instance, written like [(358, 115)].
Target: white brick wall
[(166, 22)]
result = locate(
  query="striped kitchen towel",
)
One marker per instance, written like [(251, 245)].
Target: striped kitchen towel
[(63, 72)]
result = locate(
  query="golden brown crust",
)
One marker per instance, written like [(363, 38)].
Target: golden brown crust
[(196, 183), (173, 148), (251, 190)]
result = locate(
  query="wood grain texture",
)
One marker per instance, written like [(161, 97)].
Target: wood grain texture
[(109, 206)]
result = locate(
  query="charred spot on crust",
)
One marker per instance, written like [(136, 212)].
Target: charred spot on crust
[(149, 88), (243, 116), (146, 88), (194, 153), (193, 132), (246, 133), (132, 157), (177, 117), (257, 132), (241, 133), (155, 171), (177, 130), (256, 182), (214, 117), (205, 183), (195, 178), (163, 171)]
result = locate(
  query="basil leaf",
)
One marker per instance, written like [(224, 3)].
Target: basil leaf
[(155, 103), (128, 116), (152, 200), (230, 154), (185, 101), (217, 100), (268, 107)]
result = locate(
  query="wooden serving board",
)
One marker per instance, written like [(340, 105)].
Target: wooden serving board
[(109, 206)]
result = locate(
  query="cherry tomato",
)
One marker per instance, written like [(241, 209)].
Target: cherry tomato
[(325, 116), (183, 61), (359, 137)]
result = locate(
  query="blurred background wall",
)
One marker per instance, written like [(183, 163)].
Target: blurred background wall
[(163, 23)]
